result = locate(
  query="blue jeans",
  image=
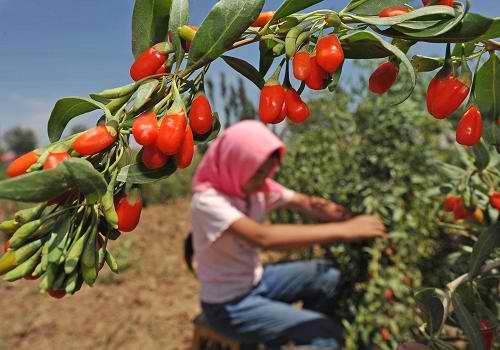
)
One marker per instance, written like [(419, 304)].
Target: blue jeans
[(264, 315)]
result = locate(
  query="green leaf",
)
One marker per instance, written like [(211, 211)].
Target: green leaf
[(470, 28), (141, 96), (418, 25), (245, 69), (426, 63), (225, 23), (481, 156), (43, 185), (149, 23), (440, 28), (179, 16), (266, 56), (363, 43), (335, 79), (68, 108), (35, 187), (431, 302), (442, 345), (451, 171), (371, 7), (487, 88), (493, 31), (435, 11), (85, 177), (211, 135), (485, 245), (289, 7), (137, 173), (468, 323), (468, 49)]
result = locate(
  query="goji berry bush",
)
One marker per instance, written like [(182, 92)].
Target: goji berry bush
[(88, 184)]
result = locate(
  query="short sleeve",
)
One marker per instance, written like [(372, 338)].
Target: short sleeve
[(278, 195), (212, 214)]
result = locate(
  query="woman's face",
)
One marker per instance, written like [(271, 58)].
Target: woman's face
[(258, 179)]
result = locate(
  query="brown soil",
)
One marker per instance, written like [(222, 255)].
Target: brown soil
[(148, 306)]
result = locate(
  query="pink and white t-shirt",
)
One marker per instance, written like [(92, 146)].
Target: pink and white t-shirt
[(229, 266)]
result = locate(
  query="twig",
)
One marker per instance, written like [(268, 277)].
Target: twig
[(465, 277)]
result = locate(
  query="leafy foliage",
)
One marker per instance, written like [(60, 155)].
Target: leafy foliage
[(377, 159)]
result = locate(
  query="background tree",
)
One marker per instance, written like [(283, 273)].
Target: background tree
[(20, 140), (379, 159), (234, 99)]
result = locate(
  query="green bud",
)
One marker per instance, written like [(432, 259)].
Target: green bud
[(24, 232), (9, 226), (74, 254), (108, 208), (30, 214), (24, 269), (291, 39), (111, 261), (71, 282)]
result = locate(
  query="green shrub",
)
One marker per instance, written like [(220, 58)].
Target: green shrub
[(374, 158)]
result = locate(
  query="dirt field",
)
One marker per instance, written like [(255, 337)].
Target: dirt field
[(148, 306)]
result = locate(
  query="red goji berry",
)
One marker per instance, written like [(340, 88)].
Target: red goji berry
[(145, 128), (200, 114), (445, 94), (460, 212), (262, 19), (394, 11), (495, 200), (450, 202), (147, 63), (383, 77), (94, 140), (172, 131), (329, 53), (487, 332), (470, 127), (56, 293), (301, 65), (185, 155), (152, 157), (272, 98), (21, 164), (296, 109), (54, 158), (282, 115), (388, 294), (386, 334), (317, 77), (128, 208)]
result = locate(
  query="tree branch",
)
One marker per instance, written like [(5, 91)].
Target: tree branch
[(465, 277)]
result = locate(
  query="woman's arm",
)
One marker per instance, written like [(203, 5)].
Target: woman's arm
[(300, 236), (318, 208)]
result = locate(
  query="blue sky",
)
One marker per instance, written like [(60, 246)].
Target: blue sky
[(56, 48)]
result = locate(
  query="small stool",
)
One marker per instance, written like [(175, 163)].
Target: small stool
[(206, 338)]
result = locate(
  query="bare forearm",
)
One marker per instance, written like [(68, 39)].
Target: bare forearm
[(301, 202), (301, 236), (319, 208)]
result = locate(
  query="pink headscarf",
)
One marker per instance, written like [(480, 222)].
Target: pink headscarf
[(235, 156)]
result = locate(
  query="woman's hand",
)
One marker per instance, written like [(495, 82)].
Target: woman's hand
[(364, 227), (328, 211), (319, 208)]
